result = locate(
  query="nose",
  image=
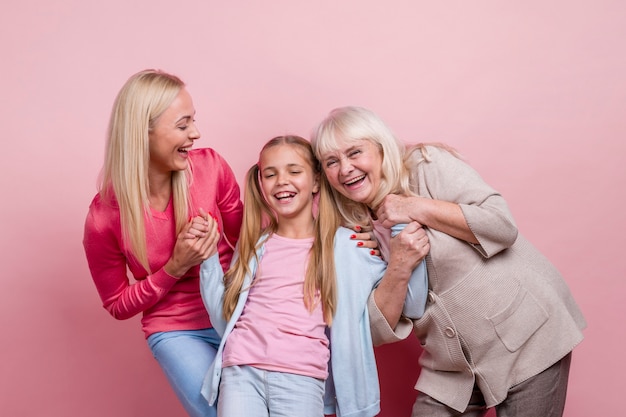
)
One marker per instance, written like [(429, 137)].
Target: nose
[(194, 133), (281, 178), (345, 167)]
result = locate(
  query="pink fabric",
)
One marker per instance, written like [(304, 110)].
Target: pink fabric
[(166, 303), (383, 236), (276, 332)]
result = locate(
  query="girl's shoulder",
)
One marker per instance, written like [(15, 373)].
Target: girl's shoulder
[(346, 249)]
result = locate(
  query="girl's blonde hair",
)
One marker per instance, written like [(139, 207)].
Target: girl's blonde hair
[(124, 179), (259, 219), (351, 124)]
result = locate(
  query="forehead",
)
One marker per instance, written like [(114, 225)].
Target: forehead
[(336, 145), (282, 155), (181, 107)]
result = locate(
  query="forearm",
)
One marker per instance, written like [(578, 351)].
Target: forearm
[(445, 217), (124, 301), (391, 293)]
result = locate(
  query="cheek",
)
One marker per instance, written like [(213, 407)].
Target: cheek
[(331, 175)]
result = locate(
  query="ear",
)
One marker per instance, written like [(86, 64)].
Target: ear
[(316, 184)]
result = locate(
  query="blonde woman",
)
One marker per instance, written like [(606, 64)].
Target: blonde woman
[(500, 322), (162, 208)]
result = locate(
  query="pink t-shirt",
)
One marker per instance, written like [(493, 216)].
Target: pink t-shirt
[(275, 331), (383, 235)]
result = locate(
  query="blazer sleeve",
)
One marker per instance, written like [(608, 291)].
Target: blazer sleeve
[(382, 333), (448, 178)]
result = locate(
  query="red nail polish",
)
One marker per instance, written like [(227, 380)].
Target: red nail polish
[(352, 236), (359, 244), (358, 228), (372, 252)]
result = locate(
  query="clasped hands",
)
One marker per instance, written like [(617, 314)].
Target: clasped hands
[(194, 244)]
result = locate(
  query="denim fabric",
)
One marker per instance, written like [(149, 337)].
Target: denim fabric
[(248, 391), (185, 357)]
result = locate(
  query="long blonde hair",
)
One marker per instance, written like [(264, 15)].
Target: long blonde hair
[(351, 124), (259, 219), (137, 107)]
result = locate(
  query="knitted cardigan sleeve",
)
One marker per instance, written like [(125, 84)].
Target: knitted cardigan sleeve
[(448, 178)]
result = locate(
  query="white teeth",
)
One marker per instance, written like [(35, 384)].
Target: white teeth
[(184, 149), (284, 194), (357, 179)]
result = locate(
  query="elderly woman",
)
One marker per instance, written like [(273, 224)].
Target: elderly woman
[(500, 322)]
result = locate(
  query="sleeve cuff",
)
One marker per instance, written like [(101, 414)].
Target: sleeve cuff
[(382, 333)]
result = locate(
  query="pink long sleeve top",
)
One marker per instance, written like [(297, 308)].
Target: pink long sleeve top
[(166, 303)]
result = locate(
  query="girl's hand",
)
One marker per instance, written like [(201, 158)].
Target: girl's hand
[(366, 240), (189, 252), (397, 209), (199, 225)]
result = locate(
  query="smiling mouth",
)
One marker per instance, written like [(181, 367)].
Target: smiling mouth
[(354, 181), (284, 195), (184, 150)]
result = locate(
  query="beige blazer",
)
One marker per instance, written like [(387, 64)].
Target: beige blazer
[(499, 312)]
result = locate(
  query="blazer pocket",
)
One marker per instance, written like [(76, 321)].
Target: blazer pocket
[(519, 321)]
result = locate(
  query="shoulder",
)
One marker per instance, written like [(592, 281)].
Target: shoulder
[(102, 215), (346, 250), (205, 154), (100, 208), (210, 169), (435, 160), (433, 152), (208, 161)]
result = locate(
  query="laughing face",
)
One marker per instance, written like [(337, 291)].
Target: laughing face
[(354, 169), (288, 182), (173, 135)]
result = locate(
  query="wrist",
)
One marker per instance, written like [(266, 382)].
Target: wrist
[(172, 269), (400, 272)]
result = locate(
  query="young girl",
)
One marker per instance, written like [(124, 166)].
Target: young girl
[(280, 295)]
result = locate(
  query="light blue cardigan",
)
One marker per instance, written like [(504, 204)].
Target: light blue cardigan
[(352, 389)]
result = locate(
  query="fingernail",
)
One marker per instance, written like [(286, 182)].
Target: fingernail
[(359, 244), (372, 252), (352, 236), (358, 228)]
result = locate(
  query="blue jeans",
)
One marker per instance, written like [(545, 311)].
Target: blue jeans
[(248, 391), (185, 357)]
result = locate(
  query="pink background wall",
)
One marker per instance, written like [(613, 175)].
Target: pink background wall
[(533, 93)]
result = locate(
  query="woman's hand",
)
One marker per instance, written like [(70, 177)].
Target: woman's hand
[(198, 226), (397, 209), (193, 245), (445, 216), (366, 240), (409, 247)]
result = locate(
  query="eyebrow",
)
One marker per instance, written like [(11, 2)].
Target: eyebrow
[(333, 154), (186, 118), (271, 167)]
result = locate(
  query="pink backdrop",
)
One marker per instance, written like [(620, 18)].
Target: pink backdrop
[(533, 93)]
